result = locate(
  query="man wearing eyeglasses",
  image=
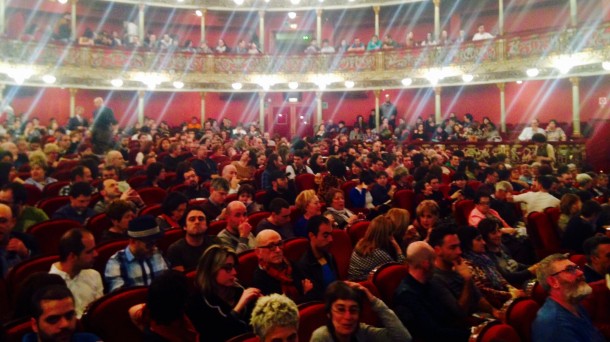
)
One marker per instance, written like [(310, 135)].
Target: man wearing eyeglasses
[(275, 273), (562, 317), (14, 246)]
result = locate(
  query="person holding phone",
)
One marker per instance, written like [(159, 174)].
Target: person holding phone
[(112, 190)]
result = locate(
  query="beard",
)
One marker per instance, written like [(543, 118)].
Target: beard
[(578, 291)]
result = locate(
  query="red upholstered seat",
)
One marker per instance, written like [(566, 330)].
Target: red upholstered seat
[(62, 175), (404, 199), (15, 330), (248, 262), (579, 259), (543, 235), (474, 184), (67, 164), (131, 171), (305, 181), (230, 198), (367, 315), (495, 331), (50, 205), (537, 293), (52, 190), (341, 249), (520, 314), (259, 196), (105, 251), (169, 237), (152, 195), (357, 231), (553, 214), (197, 202), (346, 188), (48, 233), (311, 316), (247, 337), (462, 211), (255, 218), (597, 305), (387, 278), (33, 194), (258, 177), (26, 268), (97, 224), (295, 248), (153, 210), (215, 227), (137, 182), (108, 317)]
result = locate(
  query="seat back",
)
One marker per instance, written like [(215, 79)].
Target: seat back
[(152, 195), (105, 251), (248, 262), (495, 331), (520, 314), (346, 188), (553, 214), (367, 315), (311, 316), (543, 235), (536, 292), (341, 249), (52, 190), (387, 278), (255, 218), (357, 231), (48, 233), (295, 248), (169, 237), (462, 211), (579, 259), (404, 199), (50, 205), (97, 224), (305, 181), (137, 182), (247, 337), (215, 227), (33, 194), (62, 175), (108, 317), (15, 330), (153, 210), (130, 171), (21, 271)]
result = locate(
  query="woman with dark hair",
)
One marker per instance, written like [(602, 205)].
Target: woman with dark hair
[(335, 176), (163, 145), (221, 310), (460, 189), (246, 194), (316, 163), (342, 216), (155, 175), (246, 165), (486, 276), (8, 174), (274, 163), (172, 209), (344, 303)]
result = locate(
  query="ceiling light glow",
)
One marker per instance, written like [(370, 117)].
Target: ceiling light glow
[(49, 79), (606, 66), (349, 84), (406, 81), (292, 15), (237, 86), (199, 13), (293, 85), (117, 82), (178, 84), (467, 77), (532, 72)]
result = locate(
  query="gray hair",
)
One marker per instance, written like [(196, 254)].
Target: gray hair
[(545, 269), (273, 311)]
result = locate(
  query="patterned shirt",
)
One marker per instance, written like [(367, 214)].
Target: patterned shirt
[(125, 270)]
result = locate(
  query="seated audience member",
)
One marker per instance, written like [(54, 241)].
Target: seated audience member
[(584, 183), (481, 34), (569, 205), (55, 317), (184, 253), (120, 214), (318, 264), (173, 158), (429, 189), (427, 215), (582, 227), (307, 203), (279, 189), (140, 262), (554, 132), (452, 273), (515, 180), (275, 273), (155, 175), (279, 220), (459, 189), (482, 210), (110, 172), (376, 248), (507, 210), (298, 166), (401, 178), (78, 208), (80, 173), (205, 167), (193, 189), (382, 192), (15, 196), (429, 311), (214, 207), (342, 216), (334, 178), (544, 152), (486, 276), (172, 210), (402, 231), (359, 196), (229, 172), (562, 317), (109, 189), (274, 163), (246, 165), (76, 256), (275, 318), (601, 186), (38, 170), (246, 195), (515, 273), (344, 303), (597, 250), (529, 131), (116, 160), (14, 246), (537, 201), (238, 234), (24, 307), (357, 46), (222, 309), (163, 317)]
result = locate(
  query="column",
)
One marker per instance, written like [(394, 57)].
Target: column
[(2, 17), (319, 120), (202, 109), (501, 17), (73, 20), (437, 105), (202, 27), (2, 104), (575, 106), (73, 92), (261, 30), (573, 13), (501, 86), (141, 23), (377, 92), (261, 110), (319, 26), (141, 94), (437, 19), (376, 10)]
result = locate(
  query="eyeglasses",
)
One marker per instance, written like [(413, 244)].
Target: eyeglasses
[(227, 267), (3, 220), (196, 218), (341, 310), (572, 269), (272, 246)]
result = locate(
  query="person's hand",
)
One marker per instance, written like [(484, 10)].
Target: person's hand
[(515, 292), (244, 229), (307, 285), (358, 286), (508, 230), (395, 245), (222, 214), (412, 233), (246, 297), (462, 269), (234, 182), (353, 219), (533, 269), (17, 246)]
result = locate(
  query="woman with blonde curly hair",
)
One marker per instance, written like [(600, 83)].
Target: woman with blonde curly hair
[(376, 248), (308, 203), (38, 171), (275, 318)]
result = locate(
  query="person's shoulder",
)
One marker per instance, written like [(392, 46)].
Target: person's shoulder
[(321, 335), (85, 337)]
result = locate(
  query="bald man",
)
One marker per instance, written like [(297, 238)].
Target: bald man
[(103, 127), (238, 234), (229, 172), (427, 310), (14, 246)]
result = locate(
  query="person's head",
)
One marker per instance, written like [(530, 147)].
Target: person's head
[(269, 247), (229, 172), (545, 182), (98, 102), (491, 175), (275, 318), (502, 188), (80, 195), (13, 195), (471, 240), (143, 233), (539, 138), (570, 204), (280, 211), (174, 205), (278, 180), (534, 123), (120, 213), (590, 210), (54, 316), (110, 190), (319, 231), (597, 250), (167, 296), (428, 213), (217, 269), (335, 167), (377, 235), (308, 202), (81, 173), (400, 219), (77, 248), (219, 189), (584, 181), (335, 199), (343, 305), (38, 169), (446, 244), (490, 231), (381, 178), (562, 278), (115, 158), (194, 222), (110, 172), (236, 214), (155, 171), (482, 201), (7, 222), (246, 193), (420, 258)]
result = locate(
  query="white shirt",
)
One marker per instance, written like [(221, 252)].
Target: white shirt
[(528, 133), (536, 201), (292, 174), (482, 36), (86, 287)]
